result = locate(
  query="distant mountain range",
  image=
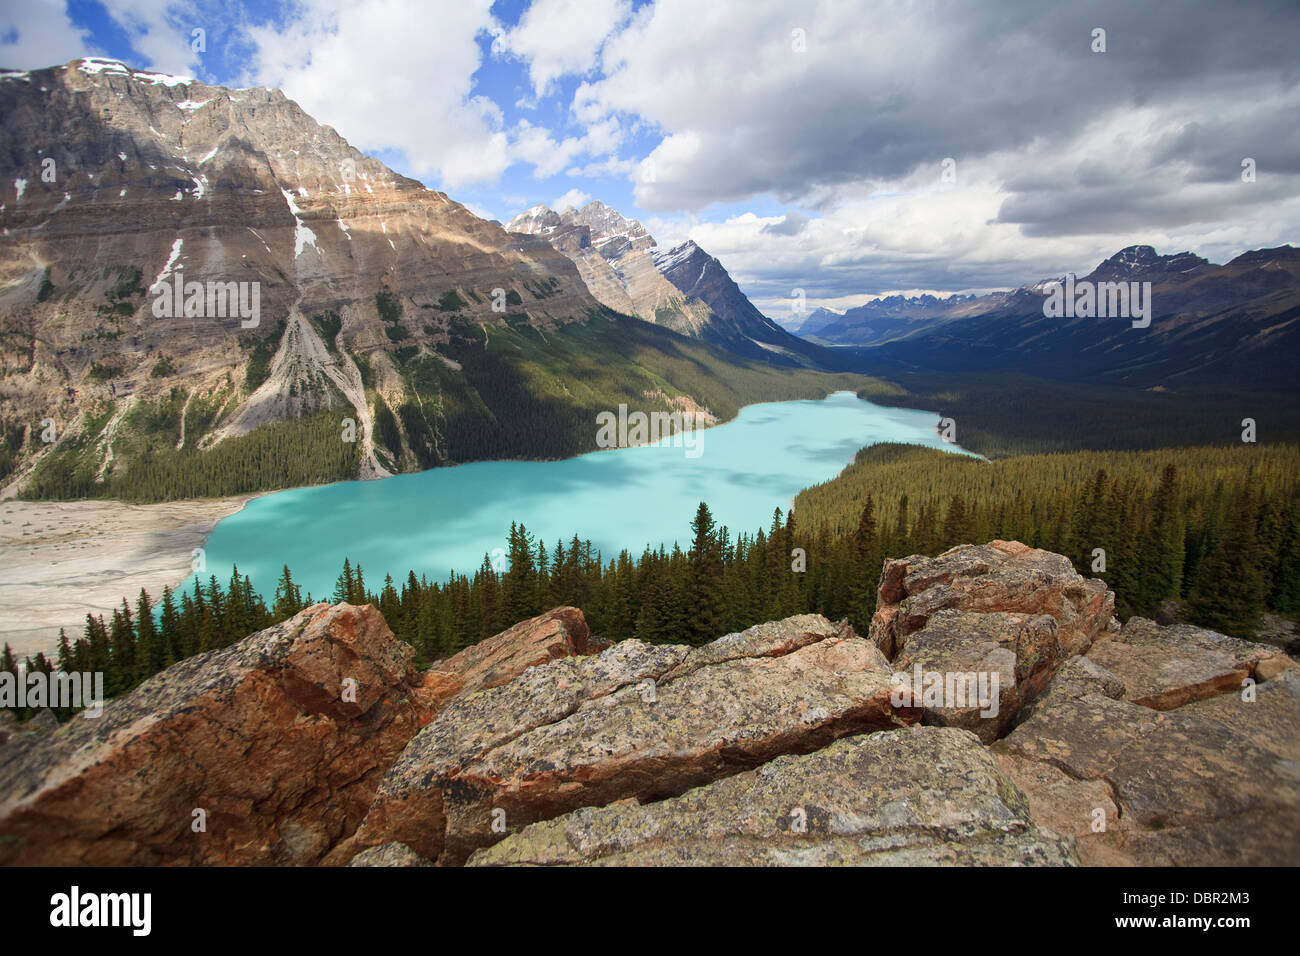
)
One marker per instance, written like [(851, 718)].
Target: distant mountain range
[(683, 288), (1233, 324)]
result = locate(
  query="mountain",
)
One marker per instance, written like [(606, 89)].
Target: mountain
[(374, 310), (683, 288), (1211, 325), (891, 317), (736, 323), (810, 323), (614, 258)]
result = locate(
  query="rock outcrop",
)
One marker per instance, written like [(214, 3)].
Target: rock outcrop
[(1001, 576), (265, 752), (988, 667), (561, 632), (913, 796), (637, 721), (792, 742), (270, 738), (1210, 783), (1167, 667), (389, 855)]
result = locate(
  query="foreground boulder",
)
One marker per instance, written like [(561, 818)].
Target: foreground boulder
[(1211, 783), (638, 721), (1001, 576), (913, 796), (389, 855), (976, 671), (267, 751), (1167, 667), (280, 741)]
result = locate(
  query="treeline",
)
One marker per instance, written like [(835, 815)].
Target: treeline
[(1003, 414), (1227, 545), (1216, 527), (289, 454), (1028, 495)]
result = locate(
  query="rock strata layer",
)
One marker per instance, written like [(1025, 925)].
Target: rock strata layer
[(913, 796)]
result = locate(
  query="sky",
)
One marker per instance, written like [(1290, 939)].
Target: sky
[(845, 148)]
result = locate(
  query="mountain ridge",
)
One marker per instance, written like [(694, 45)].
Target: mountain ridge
[(439, 336), (683, 288), (1214, 325)]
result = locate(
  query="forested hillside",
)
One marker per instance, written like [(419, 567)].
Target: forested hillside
[(1001, 415), (488, 393)]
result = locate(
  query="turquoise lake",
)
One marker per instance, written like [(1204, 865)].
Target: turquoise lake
[(446, 519)]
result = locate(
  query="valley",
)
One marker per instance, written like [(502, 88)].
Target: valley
[(480, 434)]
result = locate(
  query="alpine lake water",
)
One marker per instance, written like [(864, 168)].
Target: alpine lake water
[(446, 519)]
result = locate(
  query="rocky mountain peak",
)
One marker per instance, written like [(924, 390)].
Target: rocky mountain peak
[(1134, 262)]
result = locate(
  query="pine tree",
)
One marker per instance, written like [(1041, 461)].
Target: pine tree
[(957, 524), (343, 587), (169, 627), (866, 566), (708, 608), (288, 596), (151, 652), (1162, 548), (67, 661)]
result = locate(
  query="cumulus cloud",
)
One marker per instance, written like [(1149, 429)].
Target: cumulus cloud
[(747, 108), (38, 33), (549, 156), (161, 30), (923, 145), (1058, 155), (392, 74), (561, 37), (574, 198)]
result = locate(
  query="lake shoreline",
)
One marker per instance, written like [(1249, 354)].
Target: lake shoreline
[(150, 545), (62, 560), (445, 520)]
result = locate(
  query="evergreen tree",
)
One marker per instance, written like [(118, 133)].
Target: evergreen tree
[(288, 596), (1162, 547), (151, 652), (708, 608)]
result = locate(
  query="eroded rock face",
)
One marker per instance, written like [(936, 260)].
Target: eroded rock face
[(561, 632), (263, 736), (1212, 783), (912, 796), (989, 666), (1001, 576), (391, 855), (637, 721), (1167, 667)]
